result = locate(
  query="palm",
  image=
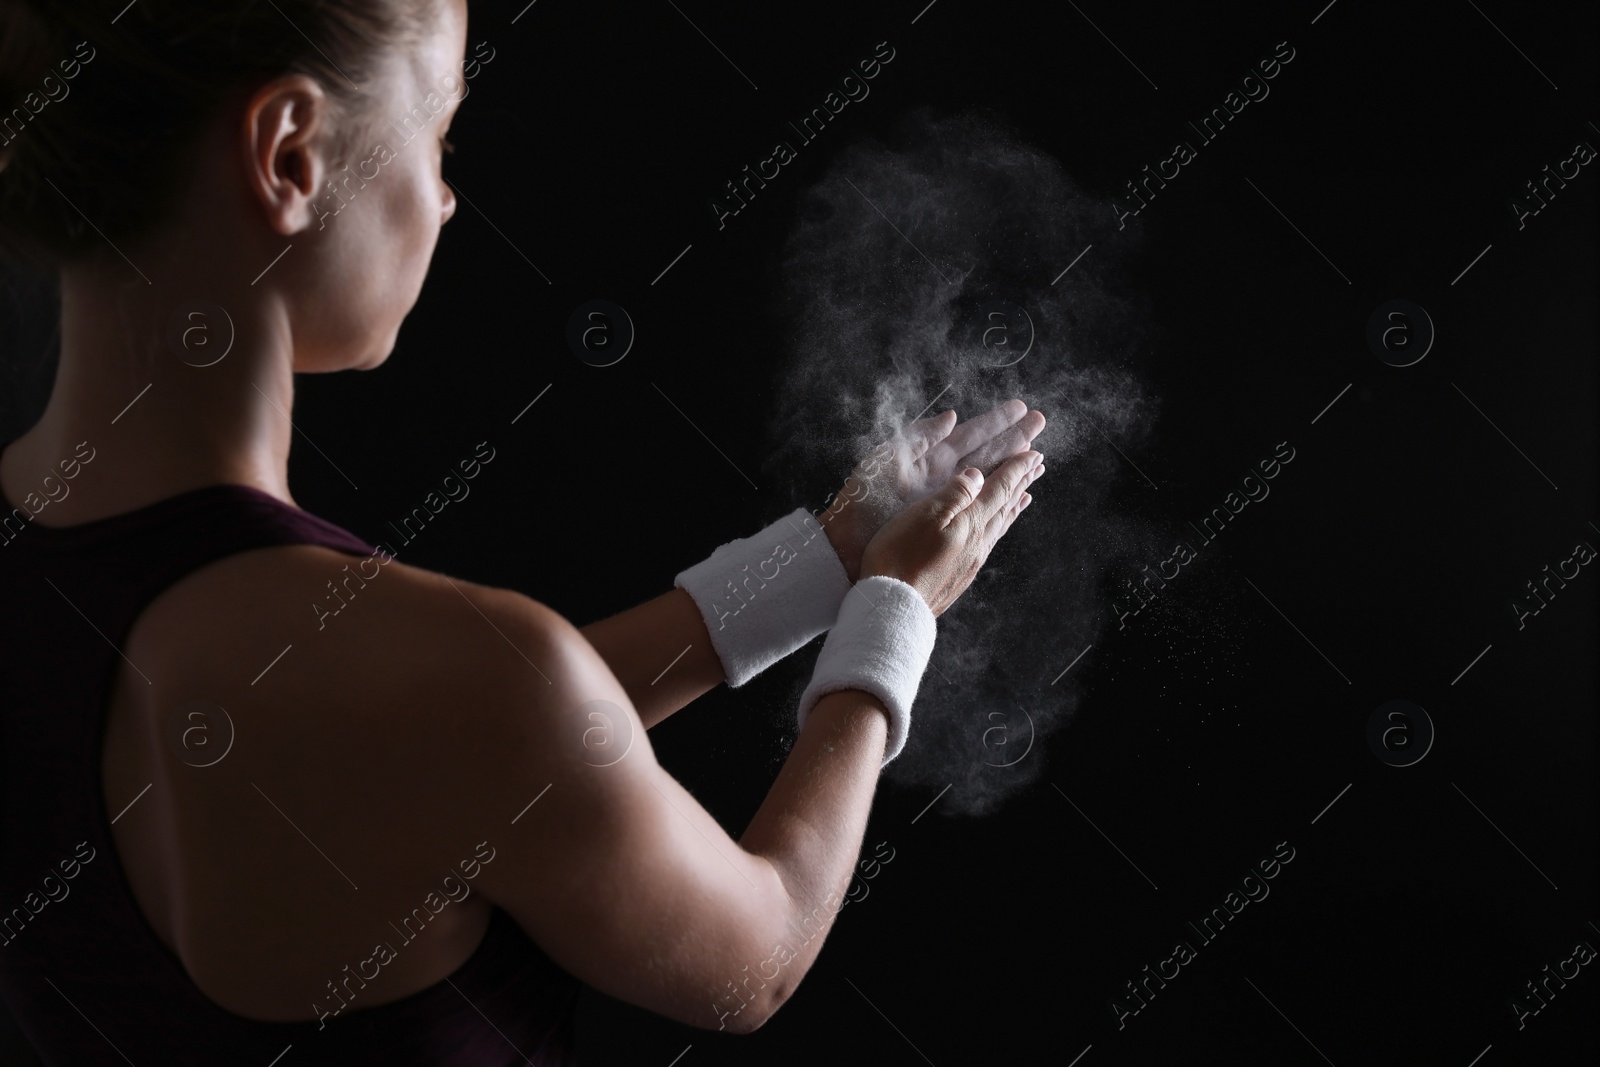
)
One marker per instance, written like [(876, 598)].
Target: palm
[(919, 461), (931, 451)]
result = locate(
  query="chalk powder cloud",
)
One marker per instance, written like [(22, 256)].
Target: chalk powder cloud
[(878, 322)]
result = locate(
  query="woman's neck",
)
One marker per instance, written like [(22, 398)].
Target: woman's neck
[(141, 382)]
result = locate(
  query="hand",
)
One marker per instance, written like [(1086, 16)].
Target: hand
[(915, 464), (938, 544)]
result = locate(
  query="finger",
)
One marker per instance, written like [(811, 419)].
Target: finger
[(975, 432), (925, 433), (1023, 500), (1007, 515), (1007, 443), (957, 495), (1010, 478)]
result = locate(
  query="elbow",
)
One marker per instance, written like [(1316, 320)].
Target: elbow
[(749, 1015), (754, 1015), (747, 1021)]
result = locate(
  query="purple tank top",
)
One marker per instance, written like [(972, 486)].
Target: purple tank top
[(82, 969)]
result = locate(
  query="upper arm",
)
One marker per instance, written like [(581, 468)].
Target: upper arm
[(615, 870)]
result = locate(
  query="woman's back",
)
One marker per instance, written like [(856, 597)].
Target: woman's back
[(130, 786)]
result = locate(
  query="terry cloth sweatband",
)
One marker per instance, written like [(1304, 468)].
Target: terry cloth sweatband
[(880, 645), (762, 597)]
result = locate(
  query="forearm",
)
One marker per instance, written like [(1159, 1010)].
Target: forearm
[(641, 643), (811, 824), (660, 652)]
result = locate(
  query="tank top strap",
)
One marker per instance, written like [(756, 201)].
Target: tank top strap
[(208, 523)]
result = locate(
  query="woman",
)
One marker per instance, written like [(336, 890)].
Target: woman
[(406, 836)]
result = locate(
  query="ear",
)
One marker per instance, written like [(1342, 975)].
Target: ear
[(282, 137)]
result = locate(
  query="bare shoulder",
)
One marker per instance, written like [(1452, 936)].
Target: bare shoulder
[(320, 599), (370, 652)]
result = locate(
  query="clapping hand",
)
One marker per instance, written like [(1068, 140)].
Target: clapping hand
[(915, 464)]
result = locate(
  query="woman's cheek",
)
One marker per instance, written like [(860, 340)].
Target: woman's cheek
[(411, 229)]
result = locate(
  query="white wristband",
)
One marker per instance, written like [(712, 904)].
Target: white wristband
[(764, 596), (880, 644)]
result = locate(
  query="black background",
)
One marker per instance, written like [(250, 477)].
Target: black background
[(1216, 727)]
